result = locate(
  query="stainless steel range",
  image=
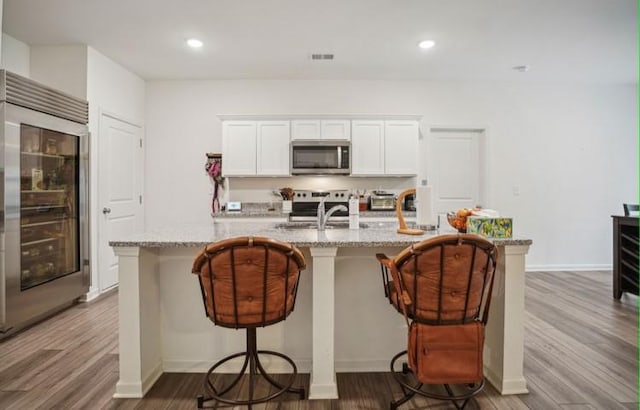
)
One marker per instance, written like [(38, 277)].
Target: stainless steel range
[(305, 204)]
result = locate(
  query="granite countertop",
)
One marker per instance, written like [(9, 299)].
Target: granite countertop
[(380, 234)]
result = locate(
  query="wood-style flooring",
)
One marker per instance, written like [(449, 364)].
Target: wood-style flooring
[(580, 353)]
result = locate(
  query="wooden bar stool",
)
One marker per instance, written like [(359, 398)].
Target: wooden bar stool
[(442, 286), (246, 283)]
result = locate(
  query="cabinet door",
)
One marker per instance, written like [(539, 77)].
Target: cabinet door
[(305, 129), (401, 147), (335, 130), (273, 148), (238, 148), (367, 148)]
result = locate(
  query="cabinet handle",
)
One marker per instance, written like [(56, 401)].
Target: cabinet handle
[(106, 210)]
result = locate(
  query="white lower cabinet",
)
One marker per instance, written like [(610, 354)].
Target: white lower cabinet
[(255, 148), (387, 148)]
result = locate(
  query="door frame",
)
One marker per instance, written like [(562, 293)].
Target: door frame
[(96, 197), (483, 150)]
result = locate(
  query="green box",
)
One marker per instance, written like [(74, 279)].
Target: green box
[(490, 227)]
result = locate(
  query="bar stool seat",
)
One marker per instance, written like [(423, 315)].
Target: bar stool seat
[(442, 284), (246, 283)]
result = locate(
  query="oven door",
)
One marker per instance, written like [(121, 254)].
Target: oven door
[(320, 157)]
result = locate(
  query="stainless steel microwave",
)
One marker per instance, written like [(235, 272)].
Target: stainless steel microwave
[(318, 157)]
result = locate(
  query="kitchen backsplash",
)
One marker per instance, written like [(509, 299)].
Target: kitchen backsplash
[(261, 189)]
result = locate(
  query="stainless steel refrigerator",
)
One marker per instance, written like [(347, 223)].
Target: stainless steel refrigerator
[(44, 242)]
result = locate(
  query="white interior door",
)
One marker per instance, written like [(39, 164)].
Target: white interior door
[(120, 191), (457, 169)]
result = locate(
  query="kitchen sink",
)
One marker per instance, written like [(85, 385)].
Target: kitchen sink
[(314, 225)]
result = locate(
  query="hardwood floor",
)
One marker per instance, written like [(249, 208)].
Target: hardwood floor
[(580, 353)]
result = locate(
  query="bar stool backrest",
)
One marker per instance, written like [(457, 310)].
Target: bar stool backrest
[(248, 281), (448, 278)]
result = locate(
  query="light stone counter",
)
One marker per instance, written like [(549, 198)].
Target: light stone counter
[(377, 234), (340, 307)]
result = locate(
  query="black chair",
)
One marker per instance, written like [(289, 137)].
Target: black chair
[(631, 208), (444, 280), (246, 283)]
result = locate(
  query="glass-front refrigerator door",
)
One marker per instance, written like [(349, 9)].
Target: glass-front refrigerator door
[(49, 211)]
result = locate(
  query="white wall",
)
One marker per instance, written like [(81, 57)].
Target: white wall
[(571, 150), (61, 67), (1, 9), (15, 56), (112, 90)]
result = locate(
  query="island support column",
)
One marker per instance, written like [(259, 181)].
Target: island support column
[(504, 336), (139, 315), (323, 373)]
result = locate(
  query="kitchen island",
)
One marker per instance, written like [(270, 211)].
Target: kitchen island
[(341, 322)]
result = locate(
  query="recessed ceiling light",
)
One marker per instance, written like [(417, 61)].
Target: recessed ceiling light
[(426, 44), (194, 43)]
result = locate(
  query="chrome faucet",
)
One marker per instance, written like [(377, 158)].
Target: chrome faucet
[(324, 217)]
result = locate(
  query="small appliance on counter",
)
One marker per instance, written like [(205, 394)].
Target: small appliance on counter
[(234, 206), (410, 202), (382, 201)]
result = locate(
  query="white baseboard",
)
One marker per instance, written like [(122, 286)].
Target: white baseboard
[(138, 390), (573, 267), (91, 295), (233, 366), (277, 366)]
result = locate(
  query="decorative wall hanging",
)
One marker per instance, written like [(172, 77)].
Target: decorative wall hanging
[(213, 167)]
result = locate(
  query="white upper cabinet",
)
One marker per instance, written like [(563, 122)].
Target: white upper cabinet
[(367, 147), (305, 129), (255, 148), (260, 146), (401, 147), (320, 129), (273, 148), (387, 148), (239, 148), (335, 129)]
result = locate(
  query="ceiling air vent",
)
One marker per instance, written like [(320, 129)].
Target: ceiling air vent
[(322, 56)]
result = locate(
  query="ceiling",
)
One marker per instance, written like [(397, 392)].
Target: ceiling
[(561, 40)]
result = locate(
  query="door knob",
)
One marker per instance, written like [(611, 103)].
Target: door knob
[(106, 210)]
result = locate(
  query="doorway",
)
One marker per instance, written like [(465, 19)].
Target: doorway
[(457, 168), (119, 207)]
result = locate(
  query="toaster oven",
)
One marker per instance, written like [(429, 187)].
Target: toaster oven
[(382, 202)]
